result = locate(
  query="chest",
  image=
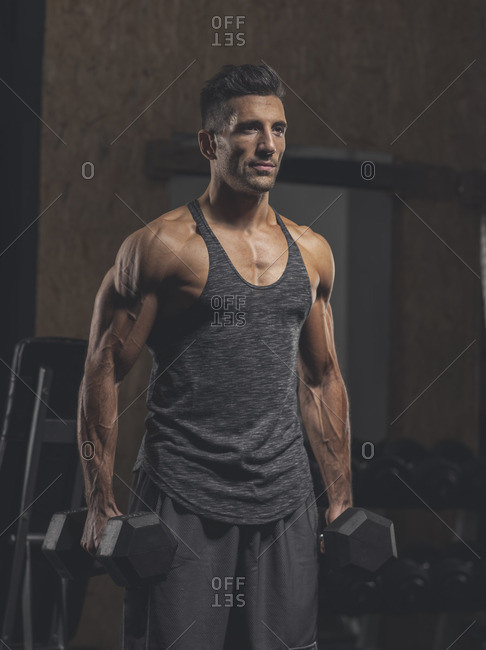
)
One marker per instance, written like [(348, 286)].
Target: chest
[(259, 260)]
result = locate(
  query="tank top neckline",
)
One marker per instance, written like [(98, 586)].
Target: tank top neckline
[(221, 248)]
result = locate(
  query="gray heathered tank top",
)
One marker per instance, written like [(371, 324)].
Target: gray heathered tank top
[(223, 437)]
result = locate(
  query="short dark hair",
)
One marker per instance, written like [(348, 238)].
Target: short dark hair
[(235, 81)]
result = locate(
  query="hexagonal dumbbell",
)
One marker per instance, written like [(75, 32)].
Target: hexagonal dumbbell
[(358, 538), (134, 548)]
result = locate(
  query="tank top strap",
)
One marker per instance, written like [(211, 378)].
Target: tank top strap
[(288, 236), (203, 226)]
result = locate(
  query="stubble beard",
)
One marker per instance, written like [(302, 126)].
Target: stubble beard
[(250, 179)]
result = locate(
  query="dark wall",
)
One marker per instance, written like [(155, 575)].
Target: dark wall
[(21, 48)]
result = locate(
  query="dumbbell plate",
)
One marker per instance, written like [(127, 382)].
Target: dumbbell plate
[(360, 538), (136, 548), (62, 549)]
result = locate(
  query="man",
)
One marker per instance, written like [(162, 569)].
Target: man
[(233, 302)]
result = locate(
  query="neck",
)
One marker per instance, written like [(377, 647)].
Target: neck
[(237, 209)]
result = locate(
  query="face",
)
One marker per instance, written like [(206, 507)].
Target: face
[(250, 148)]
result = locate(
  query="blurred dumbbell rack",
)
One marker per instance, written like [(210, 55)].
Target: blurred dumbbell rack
[(403, 475)]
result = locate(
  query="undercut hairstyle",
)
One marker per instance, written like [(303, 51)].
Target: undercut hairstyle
[(235, 81)]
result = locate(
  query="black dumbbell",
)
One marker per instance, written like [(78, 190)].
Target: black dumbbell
[(390, 472), (357, 538), (438, 476), (350, 592), (406, 582), (134, 548), (453, 575)]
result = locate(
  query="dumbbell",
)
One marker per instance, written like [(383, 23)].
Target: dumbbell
[(359, 539), (454, 577), (391, 462), (425, 578), (438, 476), (134, 549), (350, 592), (406, 582)]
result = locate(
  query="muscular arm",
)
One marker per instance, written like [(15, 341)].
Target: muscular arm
[(322, 394), (124, 312)]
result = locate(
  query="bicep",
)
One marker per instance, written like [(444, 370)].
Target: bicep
[(317, 352), (120, 325)]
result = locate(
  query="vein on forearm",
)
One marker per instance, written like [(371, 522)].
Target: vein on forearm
[(97, 424), (325, 414)]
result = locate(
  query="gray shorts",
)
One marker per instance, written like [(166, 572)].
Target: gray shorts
[(230, 586)]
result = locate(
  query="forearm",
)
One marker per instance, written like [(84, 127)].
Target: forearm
[(325, 414), (97, 434)]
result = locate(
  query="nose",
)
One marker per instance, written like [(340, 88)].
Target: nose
[(267, 142)]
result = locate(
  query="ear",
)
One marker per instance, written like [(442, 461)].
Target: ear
[(207, 144)]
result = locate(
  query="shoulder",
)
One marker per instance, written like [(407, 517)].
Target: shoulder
[(149, 255), (317, 251)]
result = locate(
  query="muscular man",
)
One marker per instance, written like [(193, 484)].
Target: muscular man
[(232, 300)]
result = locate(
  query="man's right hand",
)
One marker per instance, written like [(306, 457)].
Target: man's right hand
[(94, 527)]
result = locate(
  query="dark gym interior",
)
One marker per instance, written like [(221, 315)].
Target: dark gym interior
[(385, 158)]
